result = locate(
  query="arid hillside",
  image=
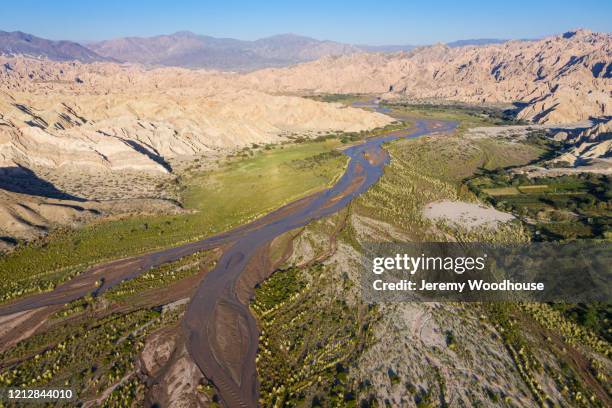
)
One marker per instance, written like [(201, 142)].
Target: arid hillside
[(94, 116), (79, 141), (560, 79)]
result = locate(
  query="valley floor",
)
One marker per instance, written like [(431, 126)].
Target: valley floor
[(320, 344)]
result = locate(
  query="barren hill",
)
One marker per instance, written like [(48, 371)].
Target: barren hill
[(115, 117), (108, 132), (560, 79)]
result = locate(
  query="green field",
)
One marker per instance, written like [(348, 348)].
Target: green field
[(245, 189), (235, 193), (341, 98), (557, 208), (502, 191), (468, 116)]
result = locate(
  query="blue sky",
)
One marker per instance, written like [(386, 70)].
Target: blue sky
[(361, 22)]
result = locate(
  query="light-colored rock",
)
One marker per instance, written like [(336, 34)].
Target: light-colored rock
[(27, 217), (590, 146), (106, 116), (561, 79), (586, 146)]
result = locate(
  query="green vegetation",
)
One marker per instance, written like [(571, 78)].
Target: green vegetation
[(594, 317), (88, 356), (92, 344), (512, 321), (274, 292), (234, 194), (468, 116), (125, 394), (576, 206), (303, 355), (503, 316), (429, 169), (162, 276), (555, 317), (342, 98), (557, 208), (225, 197)]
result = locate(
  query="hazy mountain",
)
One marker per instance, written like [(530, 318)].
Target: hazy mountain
[(190, 50), (386, 48), (186, 49), (476, 42), (453, 44), (16, 42)]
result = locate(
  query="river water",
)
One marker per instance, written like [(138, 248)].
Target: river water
[(220, 331)]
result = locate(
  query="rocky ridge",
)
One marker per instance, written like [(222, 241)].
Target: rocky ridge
[(19, 43), (107, 116), (560, 79), (79, 141), (589, 147)]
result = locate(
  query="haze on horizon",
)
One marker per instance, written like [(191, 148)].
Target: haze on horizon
[(356, 22)]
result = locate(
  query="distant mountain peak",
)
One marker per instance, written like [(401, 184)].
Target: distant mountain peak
[(184, 33), (287, 35), (187, 49), (18, 42), (578, 32)]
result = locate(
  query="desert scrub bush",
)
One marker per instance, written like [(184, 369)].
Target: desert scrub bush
[(87, 357), (572, 332), (163, 275), (74, 307), (283, 286), (126, 394), (502, 315), (308, 333)]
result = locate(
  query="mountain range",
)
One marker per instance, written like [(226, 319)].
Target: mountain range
[(189, 50), (558, 79), (19, 43), (70, 117)]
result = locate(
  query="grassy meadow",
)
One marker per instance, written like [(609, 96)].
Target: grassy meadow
[(237, 192), (468, 116)]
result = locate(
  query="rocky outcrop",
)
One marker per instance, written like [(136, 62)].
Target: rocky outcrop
[(561, 79), (26, 216), (590, 147), (127, 118)]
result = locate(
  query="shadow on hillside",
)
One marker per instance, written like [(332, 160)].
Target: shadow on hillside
[(516, 108), (25, 181), (155, 157)]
